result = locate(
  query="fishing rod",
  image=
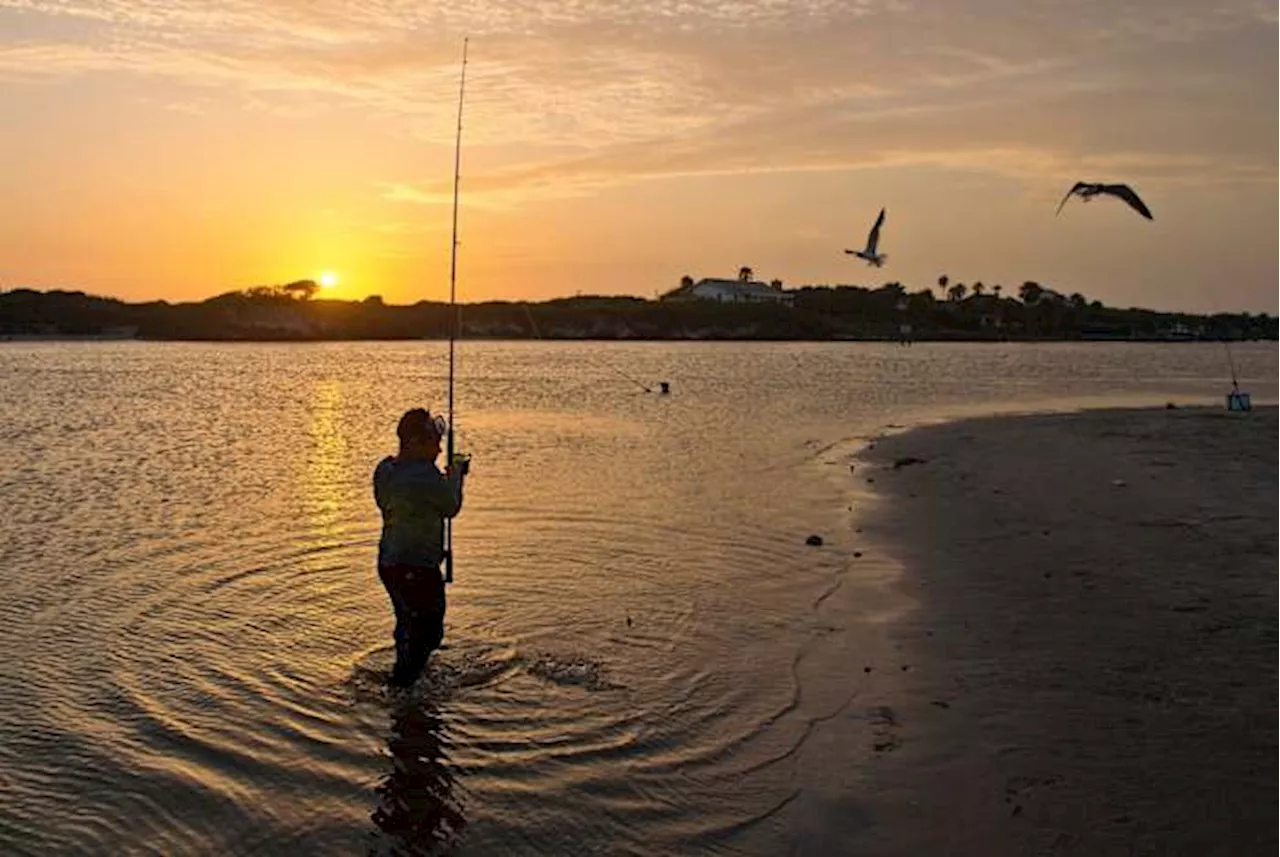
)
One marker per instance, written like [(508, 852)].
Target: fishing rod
[(1235, 385), (534, 326), (1235, 398), (453, 305)]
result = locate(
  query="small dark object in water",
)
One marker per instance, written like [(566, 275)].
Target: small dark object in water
[(906, 667), (870, 480), (664, 387), (941, 704), (628, 621), (1170, 406), (814, 541), (866, 669), (907, 461), (857, 554)]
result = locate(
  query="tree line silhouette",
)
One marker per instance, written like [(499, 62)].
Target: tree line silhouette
[(952, 311)]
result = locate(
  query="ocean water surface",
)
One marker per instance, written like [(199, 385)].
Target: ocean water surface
[(644, 656)]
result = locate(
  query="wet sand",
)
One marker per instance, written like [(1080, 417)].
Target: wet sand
[(1093, 655)]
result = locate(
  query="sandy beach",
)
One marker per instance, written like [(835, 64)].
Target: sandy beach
[(1093, 654)]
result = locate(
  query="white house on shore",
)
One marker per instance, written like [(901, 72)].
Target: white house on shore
[(745, 289)]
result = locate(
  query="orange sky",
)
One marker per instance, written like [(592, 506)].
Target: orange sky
[(176, 149)]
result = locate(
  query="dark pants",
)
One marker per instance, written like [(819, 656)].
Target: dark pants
[(417, 594)]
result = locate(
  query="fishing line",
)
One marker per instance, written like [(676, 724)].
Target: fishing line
[(454, 314), (534, 326)]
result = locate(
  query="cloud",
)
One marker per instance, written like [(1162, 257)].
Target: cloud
[(676, 87), (1038, 123), (405, 193)]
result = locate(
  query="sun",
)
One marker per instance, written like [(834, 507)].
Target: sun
[(328, 280)]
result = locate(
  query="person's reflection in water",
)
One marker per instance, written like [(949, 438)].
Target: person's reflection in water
[(416, 811)]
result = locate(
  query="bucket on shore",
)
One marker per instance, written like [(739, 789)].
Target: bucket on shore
[(1238, 401)]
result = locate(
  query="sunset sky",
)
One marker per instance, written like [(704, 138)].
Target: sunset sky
[(179, 148)]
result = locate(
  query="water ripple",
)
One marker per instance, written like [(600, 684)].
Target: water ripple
[(641, 647)]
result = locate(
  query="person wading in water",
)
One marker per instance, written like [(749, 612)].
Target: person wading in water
[(415, 498)]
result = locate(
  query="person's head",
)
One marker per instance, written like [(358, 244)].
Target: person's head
[(420, 434)]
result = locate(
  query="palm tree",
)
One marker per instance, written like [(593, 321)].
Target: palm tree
[(995, 290), (1030, 292), (942, 284), (978, 289), (955, 294), (686, 282), (745, 274)]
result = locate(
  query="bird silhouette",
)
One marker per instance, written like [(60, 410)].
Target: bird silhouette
[(869, 253), (1088, 190)]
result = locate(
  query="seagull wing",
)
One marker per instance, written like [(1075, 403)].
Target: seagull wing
[(1123, 191), (873, 237), (1074, 189)]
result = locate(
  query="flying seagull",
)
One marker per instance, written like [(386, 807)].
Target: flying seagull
[(873, 239), (1088, 190)]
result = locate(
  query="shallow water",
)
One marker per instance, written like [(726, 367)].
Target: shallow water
[(644, 657)]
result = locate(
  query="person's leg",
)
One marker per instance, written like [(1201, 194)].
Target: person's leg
[(398, 587), (423, 592), (435, 622)]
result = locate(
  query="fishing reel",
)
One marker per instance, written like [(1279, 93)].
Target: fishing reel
[(440, 424)]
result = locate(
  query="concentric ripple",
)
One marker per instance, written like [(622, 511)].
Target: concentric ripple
[(643, 655)]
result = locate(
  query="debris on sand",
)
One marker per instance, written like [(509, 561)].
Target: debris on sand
[(907, 461), (814, 541)]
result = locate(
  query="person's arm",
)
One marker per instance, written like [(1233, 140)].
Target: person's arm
[(444, 493), (377, 488)]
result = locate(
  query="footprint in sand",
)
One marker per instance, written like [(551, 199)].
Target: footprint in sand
[(884, 723)]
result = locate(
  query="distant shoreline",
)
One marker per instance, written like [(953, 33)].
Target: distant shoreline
[(67, 337), (812, 314), (301, 340)]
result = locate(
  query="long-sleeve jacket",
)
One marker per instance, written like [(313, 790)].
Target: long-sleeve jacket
[(415, 498)]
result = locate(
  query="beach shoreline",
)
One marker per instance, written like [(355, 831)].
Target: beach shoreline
[(1093, 665)]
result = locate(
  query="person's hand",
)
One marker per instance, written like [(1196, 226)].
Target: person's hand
[(460, 465)]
